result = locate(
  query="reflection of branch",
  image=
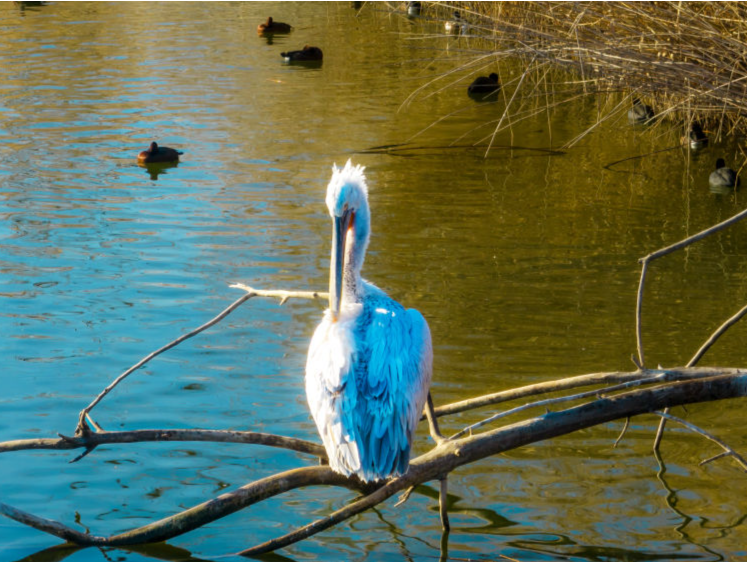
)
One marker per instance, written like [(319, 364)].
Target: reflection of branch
[(728, 451)]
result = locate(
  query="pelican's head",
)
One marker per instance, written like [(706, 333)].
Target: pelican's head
[(347, 201)]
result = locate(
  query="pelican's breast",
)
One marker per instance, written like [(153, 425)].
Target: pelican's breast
[(331, 390)]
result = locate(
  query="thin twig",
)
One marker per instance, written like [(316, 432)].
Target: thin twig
[(82, 428), (569, 383), (694, 238), (552, 401), (280, 294), (622, 433), (638, 306), (716, 335)]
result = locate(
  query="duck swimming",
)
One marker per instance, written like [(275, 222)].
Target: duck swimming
[(272, 26), (484, 85), (640, 113), (695, 137), (723, 176), (306, 54), (456, 24), (156, 154)]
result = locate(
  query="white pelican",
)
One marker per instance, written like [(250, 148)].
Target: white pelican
[(370, 361)]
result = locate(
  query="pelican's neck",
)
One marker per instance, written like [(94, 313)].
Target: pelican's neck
[(351, 274), (355, 252)]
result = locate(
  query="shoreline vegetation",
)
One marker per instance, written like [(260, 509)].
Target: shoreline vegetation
[(687, 60)]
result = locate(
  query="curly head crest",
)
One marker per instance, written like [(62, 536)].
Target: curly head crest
[(347, 188)]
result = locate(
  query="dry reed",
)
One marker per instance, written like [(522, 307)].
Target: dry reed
[(686, 59)]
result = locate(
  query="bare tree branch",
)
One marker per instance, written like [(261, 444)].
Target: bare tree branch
[(569, 383), (197, 516), (82, 428), (716, 335), (644, 266), (92, 439)]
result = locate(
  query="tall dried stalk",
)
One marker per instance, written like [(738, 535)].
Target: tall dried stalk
[(687, 59)]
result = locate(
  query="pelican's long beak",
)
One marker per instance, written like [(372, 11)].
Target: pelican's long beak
[(340, 230)]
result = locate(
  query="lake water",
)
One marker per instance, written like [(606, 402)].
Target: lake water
[(524, 263)]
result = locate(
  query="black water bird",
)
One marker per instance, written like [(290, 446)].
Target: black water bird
[(307, 54), (457, 24), (157, 154), (413, 8), (640, 112), (272, 26), (482, 86), (695, 137), (723, 176)]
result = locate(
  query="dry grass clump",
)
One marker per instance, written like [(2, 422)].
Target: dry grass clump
[(687, 59)]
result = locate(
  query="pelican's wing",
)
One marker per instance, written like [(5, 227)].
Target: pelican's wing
[(332, 394), (393, 374)]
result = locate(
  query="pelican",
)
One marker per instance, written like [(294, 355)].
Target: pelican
[(370, 360)]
